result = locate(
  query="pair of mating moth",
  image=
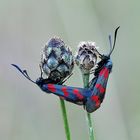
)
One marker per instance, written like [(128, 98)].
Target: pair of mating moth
[(91, 97)]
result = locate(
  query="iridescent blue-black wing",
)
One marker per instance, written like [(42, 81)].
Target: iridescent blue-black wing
[(73, 94), (99, 88)]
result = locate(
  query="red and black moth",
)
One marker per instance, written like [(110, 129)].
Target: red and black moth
[(92, 97)]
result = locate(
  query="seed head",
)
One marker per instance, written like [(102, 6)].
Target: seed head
[(86, 56), (57, 60)]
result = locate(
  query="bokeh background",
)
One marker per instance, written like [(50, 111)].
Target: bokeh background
[(26, 113)]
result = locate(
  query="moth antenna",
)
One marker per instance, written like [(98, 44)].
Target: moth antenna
[(65, 79), (110, 42), (115, 36), (23, 72)]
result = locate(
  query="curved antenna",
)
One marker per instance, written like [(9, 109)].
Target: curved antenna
[(24, 73), (115, 36)]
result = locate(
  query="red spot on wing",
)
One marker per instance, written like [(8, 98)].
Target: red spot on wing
[(51, 88), (95, 98), (101, 72), (78, 94), (104, 72), (64, 90), (100, 88)]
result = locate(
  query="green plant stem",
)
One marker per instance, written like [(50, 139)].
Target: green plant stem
[(65, 120), (88, 116)]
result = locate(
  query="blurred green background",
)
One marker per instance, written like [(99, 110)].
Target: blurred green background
[(26, 113)]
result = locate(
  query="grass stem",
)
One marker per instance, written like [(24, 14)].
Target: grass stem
[(88, 116), (65, 119)]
